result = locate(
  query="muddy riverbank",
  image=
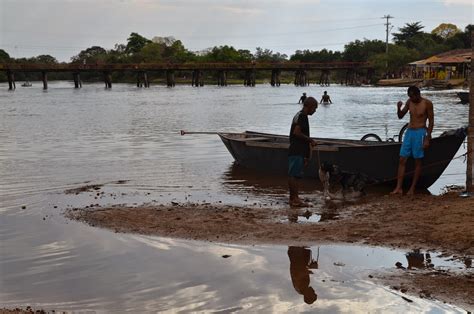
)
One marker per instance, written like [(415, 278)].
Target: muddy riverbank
[(432, 223)]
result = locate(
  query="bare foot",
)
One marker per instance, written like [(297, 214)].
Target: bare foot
[(411, 192), (397, 191)]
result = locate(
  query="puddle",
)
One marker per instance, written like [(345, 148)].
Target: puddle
[(67, 266), (308, 217)]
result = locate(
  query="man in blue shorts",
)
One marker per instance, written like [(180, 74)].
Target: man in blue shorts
[(417, 136), (299, 151)]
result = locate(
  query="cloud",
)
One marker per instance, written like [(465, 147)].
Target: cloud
[(238, 10), (458, 2)]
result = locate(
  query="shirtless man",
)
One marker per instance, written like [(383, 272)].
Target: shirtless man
[(417, 136), (302, 98), (325, 99)]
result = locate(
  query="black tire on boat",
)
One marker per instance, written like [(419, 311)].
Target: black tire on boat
[(371, 137), (402, 131)]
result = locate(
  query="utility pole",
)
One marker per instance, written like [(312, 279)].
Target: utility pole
[(470, 131), (388, 16)]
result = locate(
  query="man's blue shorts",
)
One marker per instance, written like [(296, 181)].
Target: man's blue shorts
[(412, 145), (295, 166)]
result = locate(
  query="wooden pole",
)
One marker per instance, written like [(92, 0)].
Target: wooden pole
[(11, 80), (470, 129), (45, 80)]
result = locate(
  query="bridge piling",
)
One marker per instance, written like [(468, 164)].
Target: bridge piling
[(11, 80), (139, 83), (107, 80), (324, 78), (301, 78), (44, 76), (249, 79), (277, 77), (145, 79), (142, 79), (198, 78), (77, 80), (221, 78), (273, 79), (170, 82)]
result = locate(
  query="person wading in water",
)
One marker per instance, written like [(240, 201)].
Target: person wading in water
[(325, 99)]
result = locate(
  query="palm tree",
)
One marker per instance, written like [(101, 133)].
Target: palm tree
[(408, 31)]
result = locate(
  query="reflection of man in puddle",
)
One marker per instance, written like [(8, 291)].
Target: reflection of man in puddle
[(417, 260), (300, 265)]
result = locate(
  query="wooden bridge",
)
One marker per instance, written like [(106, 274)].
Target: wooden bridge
[(142, 70)]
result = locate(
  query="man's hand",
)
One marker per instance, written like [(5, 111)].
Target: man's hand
[(426, 142), (313, 143), (399, 105), (306, 162)]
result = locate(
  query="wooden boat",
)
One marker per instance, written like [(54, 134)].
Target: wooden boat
[(399, 82), (378, 160), (464, 96)]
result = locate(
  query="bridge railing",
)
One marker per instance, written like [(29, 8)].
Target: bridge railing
[(105, 67)]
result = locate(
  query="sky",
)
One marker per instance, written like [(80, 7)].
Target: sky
[(62, 28)]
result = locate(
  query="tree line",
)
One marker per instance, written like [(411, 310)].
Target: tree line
[(409, 44)]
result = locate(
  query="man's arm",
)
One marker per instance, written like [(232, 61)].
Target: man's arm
[(429, 111), (297, 132), (402, 112)]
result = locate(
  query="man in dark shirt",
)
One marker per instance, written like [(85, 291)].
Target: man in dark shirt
[(301, 264), (300, 148)]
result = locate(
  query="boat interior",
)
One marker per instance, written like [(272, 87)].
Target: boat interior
[(252, 138)]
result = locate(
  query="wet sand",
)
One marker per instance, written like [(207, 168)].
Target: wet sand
[(435, 223)]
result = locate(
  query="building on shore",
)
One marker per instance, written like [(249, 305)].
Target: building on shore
[(448, 69)]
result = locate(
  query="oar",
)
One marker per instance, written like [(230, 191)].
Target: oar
[(183, 132)]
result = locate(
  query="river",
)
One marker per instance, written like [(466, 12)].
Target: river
[(127, 139)]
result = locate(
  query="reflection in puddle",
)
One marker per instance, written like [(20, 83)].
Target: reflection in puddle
[(309, 217), (301, 266), (94, 269), (416, 260)]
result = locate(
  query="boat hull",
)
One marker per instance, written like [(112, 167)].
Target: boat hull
[(379, 161), (464, 97)]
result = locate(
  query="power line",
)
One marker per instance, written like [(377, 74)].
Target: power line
[(200, 37)]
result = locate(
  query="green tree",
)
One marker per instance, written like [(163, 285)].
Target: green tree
[(316, 56), (46, 59), (90, 55), (397, 57), (226, 54), (4, 56), (426, 44), (152, 52), (361, 51), (135, 43), (407, 32), (177, 52), (461, 40), (267, 55)]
